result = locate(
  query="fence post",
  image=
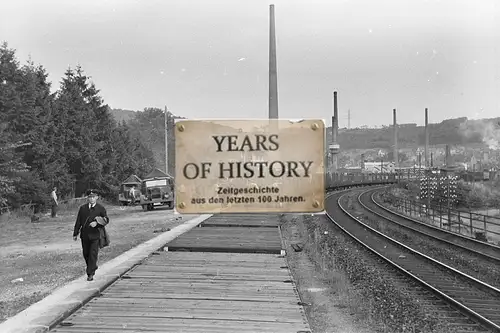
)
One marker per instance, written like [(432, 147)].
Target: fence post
[(485, 228), (449, 218), (471, 225), (440, 216)]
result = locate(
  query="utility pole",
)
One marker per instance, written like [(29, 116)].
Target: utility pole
[(166, 141)]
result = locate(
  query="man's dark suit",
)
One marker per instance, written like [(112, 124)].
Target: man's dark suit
[(89, 235)]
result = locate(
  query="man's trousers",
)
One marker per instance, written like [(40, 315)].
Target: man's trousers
[(90, 252), (53, 212)]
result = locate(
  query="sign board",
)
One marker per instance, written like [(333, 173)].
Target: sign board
[(158, 182), (249, 166)]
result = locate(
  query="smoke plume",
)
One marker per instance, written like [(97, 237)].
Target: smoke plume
[(488, 129)]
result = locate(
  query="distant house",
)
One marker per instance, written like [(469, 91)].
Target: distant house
[(378, 167), (349, 170)]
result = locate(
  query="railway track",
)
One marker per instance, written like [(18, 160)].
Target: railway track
[(467, 255), (474, 299), (482, 249)]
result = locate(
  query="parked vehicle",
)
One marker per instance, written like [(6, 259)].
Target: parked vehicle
[(157, 190), (130, 191)]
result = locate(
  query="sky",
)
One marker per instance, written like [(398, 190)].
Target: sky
[(209, 59)]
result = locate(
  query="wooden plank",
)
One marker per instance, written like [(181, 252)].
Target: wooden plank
[(153, 275), (181, 325), (211, 314), (228, 258), (210, 271), (206, 283), (230, 297), (109, 302), (160, 258), (227, 239), (242, 220)]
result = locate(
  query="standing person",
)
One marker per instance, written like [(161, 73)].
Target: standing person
[(132, 194), (54, 205), (91, 217)]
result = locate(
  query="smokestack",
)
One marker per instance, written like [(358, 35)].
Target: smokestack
[(335, 119), (447, 156), (334, 148), (396, 155), (426, 150), (273, 72)]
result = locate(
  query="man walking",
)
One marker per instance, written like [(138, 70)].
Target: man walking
[(54, 205), (91, 217)]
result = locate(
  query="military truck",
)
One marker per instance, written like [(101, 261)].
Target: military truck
[(130, 191), (157, 190)]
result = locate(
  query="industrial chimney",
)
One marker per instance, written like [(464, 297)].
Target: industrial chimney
[(396, 155), (426, 149), (448, 156), (334, 147), (335, 119), (273, 71)]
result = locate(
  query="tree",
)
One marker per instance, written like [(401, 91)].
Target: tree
[(76, 117), (133, 157), (402, 157), (58, 139), (10, 165), (149, 126)]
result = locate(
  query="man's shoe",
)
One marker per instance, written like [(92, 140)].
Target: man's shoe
[(90, 278)]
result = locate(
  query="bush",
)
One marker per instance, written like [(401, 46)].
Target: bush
[(478, 195), (30, 189)]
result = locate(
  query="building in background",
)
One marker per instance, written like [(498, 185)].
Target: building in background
[(379, 167)]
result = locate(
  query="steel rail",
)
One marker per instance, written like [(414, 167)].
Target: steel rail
[(435, 237), (491, 247), (475, 316)]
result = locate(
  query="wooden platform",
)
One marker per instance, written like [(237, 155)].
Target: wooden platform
[(229, 239), (197, 292), (242, 220)]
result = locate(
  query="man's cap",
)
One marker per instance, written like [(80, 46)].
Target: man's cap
[(92, 192)]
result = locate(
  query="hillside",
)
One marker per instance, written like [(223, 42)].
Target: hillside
[(123, 115), (458, 131)]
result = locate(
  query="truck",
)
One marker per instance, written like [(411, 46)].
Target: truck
[(157, 190), (130, 191)]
